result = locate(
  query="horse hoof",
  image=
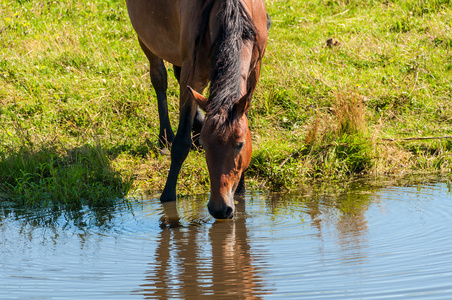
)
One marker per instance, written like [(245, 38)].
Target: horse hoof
[(168, 196)]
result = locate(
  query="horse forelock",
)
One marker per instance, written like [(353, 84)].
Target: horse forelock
[(222, 124)]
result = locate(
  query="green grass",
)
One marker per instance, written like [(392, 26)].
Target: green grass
[(78, 116), (72, 178)]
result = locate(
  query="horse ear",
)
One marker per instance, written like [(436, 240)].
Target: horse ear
[(200, 99), (243, 105)]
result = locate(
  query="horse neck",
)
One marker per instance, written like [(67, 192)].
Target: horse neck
[(232, 48)]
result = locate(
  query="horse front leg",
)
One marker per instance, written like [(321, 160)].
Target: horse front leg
[(181, 145), (183, 140)]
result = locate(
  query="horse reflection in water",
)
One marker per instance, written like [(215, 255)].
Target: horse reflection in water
[(221, 42), (184, 268)]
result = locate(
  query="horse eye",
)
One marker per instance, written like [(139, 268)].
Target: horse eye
[(239, 146)]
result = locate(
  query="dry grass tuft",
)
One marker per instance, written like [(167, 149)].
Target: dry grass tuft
[(350, 114)]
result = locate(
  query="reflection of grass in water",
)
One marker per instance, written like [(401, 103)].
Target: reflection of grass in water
[(344, 199), (67, 217)]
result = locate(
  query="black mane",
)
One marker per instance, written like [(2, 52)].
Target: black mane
[(236, 27)]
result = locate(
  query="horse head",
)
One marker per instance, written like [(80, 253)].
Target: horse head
[(226, 139)]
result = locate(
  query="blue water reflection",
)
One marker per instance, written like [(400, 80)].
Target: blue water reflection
[(360, 243)]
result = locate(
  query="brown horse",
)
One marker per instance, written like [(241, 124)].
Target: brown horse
[(216, 41)]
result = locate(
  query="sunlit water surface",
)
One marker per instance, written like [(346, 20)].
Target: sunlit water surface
[(386, 243)]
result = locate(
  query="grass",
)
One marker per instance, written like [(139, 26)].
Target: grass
[(76, 177), (78, 116)]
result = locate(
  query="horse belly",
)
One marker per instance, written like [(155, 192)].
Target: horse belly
[(157, 24)]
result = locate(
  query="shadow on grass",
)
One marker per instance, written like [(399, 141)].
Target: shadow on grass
[(51, 176)]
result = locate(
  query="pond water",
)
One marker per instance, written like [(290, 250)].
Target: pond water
[(387, 242)]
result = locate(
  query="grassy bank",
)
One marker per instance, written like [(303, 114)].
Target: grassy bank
[(343, 83)]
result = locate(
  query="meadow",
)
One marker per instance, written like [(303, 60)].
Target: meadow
[(348, 89)]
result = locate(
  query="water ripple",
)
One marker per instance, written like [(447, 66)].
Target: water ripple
[(385, 243)]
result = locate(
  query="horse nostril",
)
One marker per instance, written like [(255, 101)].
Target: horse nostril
[(224, 212), (229, 212)]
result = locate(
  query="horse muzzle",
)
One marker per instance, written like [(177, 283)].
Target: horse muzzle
[(221, 208)]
